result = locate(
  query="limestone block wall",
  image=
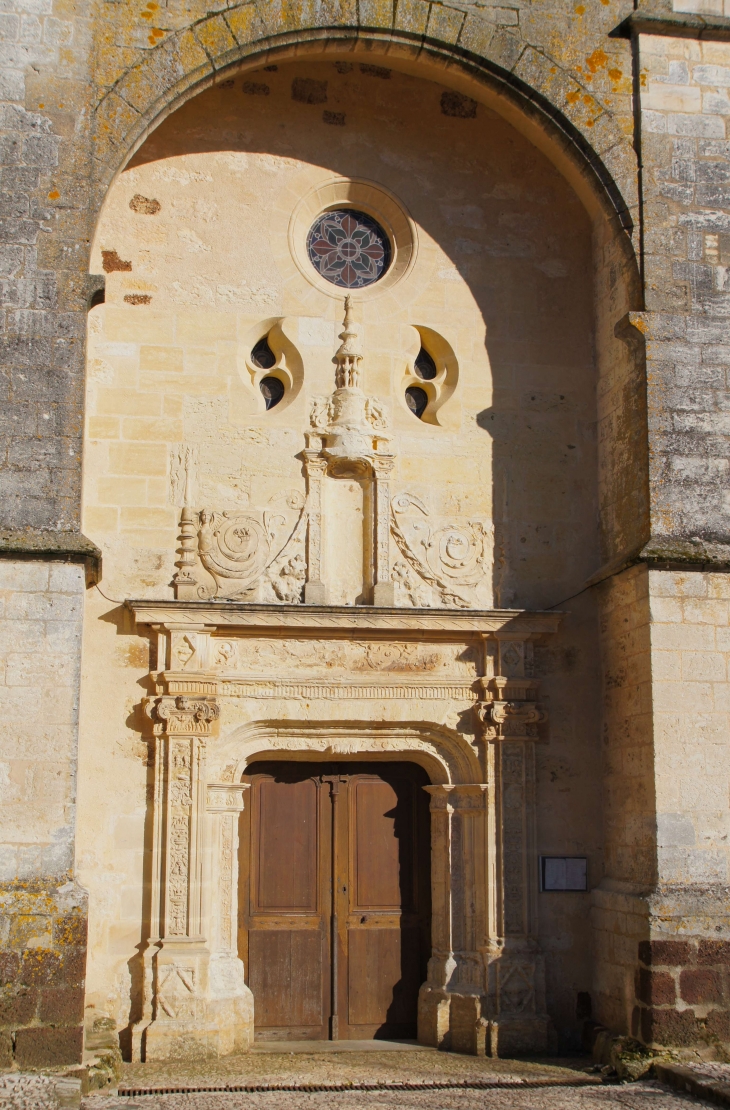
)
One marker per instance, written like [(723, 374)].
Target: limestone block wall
[(619, 916), (682, 987), (44, 208), (42, 910), (685, 109), (661, 918), (690, 637)]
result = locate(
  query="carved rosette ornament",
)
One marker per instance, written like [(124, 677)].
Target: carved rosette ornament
[(442, 563)]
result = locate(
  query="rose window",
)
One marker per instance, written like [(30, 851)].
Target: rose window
[(348, 248)]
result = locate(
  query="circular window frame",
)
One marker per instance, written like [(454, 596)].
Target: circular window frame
[(364, 196)]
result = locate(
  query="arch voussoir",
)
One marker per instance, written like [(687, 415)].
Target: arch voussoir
[(462, 43)]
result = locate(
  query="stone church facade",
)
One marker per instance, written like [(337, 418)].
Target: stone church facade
[(365, 525)]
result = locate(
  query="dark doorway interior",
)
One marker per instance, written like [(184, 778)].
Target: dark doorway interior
[(335, 913)]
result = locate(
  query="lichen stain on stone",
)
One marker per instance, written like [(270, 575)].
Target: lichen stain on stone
[(597, 60)]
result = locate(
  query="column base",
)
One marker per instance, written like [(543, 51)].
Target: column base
[(384, 594), (455, 1022), (201, 1006)]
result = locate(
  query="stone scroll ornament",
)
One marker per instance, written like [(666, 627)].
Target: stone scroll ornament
[(253, 555), (246, 552), (442, 564)]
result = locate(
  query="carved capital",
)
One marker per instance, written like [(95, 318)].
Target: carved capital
[(457, 797), (382, 466), (509, 720), (509, 710), (225, 797), (182, 715), (315, 464)]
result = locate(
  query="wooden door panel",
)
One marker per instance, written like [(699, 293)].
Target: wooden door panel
[(286, 861), (335, 851), (286, 975), (375, 845), (387, 909), (374, 970), (286, 901)]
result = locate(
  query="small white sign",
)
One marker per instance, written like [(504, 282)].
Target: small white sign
[(563, 873)]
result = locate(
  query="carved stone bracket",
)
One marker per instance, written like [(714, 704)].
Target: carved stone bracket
[(508, 710)]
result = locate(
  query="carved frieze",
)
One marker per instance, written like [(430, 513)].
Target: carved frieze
[(254, 555), (225, 797), (262, 655)]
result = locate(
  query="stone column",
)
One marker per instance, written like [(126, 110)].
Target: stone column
[(230, 1002), (449, 1009), (315, 467), (177, 959), (514, 1001), (383, 587)]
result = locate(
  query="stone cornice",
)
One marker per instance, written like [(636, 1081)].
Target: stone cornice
[(318, 619), (675, 24), (33, 543)]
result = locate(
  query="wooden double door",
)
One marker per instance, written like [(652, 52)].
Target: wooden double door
[(335, 898)]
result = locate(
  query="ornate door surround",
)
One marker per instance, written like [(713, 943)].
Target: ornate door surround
[(449, 689)]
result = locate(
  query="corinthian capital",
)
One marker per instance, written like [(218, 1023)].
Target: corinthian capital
[(182, 716)]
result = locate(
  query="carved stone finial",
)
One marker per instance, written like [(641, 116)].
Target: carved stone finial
[(349, 354)]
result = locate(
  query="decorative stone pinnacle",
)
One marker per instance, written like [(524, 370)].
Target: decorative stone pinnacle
[(349, 354)]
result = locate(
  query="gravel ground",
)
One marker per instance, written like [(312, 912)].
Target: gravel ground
[(346, 1066), (634, 1096)]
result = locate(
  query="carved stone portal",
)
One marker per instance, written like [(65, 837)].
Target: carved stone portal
[(301, 682)]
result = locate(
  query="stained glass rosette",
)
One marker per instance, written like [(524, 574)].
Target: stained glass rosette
[(348, 248)]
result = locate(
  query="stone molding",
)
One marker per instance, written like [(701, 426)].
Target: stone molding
[(367, 689), (33, 543), (366, 618), (690, 25)]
